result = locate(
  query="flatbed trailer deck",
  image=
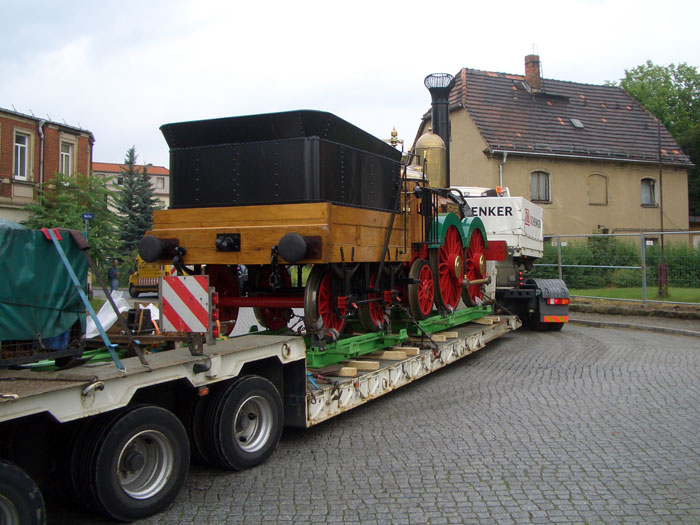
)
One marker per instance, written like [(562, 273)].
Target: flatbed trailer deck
[(91, 389), (392, 369)]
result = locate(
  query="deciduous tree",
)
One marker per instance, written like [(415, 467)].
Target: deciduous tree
[(61, 203), (672, 94)]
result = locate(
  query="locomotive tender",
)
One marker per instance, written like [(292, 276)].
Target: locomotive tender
[(278, 191)]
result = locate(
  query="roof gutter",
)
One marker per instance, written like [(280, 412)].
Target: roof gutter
[(653, 162)]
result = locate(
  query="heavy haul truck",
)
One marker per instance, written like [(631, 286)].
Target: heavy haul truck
[(364, 275)]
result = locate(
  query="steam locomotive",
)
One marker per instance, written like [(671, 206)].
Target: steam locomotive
[(281, 192)]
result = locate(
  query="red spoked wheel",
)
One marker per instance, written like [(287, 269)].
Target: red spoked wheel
[(447, 266), (421, 292), (475, 268), (321, 301), (273, 318), (372, 314), (225, 283)]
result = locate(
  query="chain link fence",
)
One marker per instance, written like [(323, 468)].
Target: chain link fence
[(645, 267)]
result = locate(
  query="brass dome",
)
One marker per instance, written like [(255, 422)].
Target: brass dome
[(432, 155)]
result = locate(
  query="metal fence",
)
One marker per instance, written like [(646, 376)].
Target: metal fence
[(647, 267)]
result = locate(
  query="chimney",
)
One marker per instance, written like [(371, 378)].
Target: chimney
[(532, 72), (439, 85)]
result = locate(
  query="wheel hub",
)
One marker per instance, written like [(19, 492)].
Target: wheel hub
[(145, 464), (134, 461), (456, 266), (252, 424), (8, 511)]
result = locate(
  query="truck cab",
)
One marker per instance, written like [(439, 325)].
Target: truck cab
[(540, 303)]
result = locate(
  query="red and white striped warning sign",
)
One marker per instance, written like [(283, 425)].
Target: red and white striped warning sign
[(185, 303)]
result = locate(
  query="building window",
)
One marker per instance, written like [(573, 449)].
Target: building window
[(160, 183), (597, 189), (66, 163), (648, 192), (120, 180), (539, 186), (21, 160)]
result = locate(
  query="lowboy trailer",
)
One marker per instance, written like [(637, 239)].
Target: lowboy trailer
[(121, 440)]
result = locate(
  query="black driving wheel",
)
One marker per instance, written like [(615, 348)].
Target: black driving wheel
[(244, 423), (20, 499), (131, 464)]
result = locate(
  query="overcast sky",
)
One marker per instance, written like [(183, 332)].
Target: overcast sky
[(123, 68)]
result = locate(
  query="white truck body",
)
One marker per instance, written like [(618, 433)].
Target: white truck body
[(515, 220)]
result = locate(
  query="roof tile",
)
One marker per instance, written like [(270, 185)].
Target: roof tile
[(508, 114), (111, 167)]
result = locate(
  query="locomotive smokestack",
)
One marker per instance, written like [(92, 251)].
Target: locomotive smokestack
[(439, 85)]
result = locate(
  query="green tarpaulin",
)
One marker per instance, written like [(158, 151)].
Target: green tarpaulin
[(37, 296)]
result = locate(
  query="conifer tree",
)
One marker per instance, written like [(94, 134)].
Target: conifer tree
[(135, 203)]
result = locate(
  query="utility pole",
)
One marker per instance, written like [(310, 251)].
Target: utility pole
[(662, 271)]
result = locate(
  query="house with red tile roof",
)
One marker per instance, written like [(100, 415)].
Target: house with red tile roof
[(590, 155), (158, 175)]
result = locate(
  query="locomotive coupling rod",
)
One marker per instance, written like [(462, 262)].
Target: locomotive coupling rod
[(467, 283)]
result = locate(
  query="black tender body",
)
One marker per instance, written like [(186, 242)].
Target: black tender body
[(276, 158)]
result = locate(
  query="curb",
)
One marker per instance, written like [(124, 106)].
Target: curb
[(609, 324), (587, 308)]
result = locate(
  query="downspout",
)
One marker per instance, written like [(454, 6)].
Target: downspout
[(42, 122), (500, 169)]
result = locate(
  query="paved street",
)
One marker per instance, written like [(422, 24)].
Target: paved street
[(585, 425)]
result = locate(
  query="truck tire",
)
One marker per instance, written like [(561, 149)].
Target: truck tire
[(194, 419), (555, 327), (244, 423), (20, 499), (536, 325), (132, 464), (132, 291)]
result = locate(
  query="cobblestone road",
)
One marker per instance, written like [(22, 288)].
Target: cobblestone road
[(585, 425)]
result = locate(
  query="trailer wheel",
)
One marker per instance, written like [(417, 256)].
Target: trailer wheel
[(132, 464), (194, 418), (447, 264), (421, 290), (244, 423), (20, 499), (555, 327), (474, 268), (132, 291)]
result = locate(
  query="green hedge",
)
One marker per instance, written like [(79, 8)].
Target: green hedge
[(682, 261)]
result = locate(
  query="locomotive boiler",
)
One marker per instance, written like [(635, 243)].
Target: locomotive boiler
[(281, 192)]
